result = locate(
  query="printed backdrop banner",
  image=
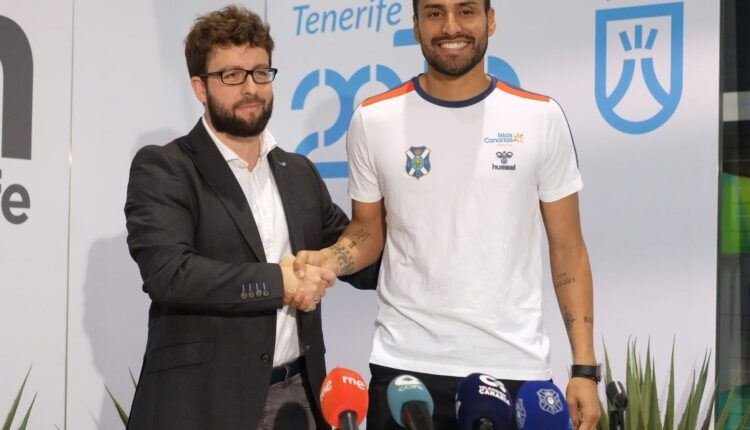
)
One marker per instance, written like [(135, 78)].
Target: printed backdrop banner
[(35, 73), (638, 81)]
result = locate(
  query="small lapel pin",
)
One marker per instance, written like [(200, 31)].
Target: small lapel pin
[(282, 163)]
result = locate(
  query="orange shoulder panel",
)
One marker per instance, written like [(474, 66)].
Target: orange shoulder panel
[(398, 91), (521, 93)]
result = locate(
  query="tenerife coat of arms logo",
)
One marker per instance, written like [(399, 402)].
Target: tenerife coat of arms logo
[(640, 40), (549, 401), (418, 161)]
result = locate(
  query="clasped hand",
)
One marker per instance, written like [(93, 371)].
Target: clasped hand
[(304, 288)]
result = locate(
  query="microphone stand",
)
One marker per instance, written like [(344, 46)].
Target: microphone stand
[(348, 421), (618, 399)]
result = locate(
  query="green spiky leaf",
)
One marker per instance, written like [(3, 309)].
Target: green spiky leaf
[(16, 401), (669, 412), (25, 421), (699, 390), (709, 413), (132, 378), (120, 410)]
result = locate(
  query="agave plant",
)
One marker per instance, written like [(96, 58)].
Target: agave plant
[(14, 407), (120, 410), (643, 398)]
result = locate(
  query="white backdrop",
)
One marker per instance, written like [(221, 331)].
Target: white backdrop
[(648, 207), (33, 254)]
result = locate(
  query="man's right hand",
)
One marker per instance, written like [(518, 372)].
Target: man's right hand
[(322, 259), (305, 292)]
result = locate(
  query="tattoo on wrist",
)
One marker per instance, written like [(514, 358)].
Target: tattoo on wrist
[(568, 319), (588, 320), (343, 258), (562, 279)]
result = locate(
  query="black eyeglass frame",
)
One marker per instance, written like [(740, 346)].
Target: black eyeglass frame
[(248, 72)]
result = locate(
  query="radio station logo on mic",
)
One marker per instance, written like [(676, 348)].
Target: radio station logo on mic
[(493, 387)]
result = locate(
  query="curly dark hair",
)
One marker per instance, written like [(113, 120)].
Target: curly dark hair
[(414, 3), (232, 25)]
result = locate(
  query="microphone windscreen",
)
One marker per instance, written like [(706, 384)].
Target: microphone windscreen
[(407, 388), (483, 397), (541, 405), (616, 395), (343, 390)]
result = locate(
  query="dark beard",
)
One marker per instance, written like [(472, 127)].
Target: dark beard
[(224, 121), (456, 69)]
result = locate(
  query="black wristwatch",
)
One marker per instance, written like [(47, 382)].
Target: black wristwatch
[(583, 371)]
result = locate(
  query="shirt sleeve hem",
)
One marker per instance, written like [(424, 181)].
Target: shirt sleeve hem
[(365, 197), (557, 194)]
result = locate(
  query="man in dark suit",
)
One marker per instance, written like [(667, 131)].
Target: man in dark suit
[(235, 338)]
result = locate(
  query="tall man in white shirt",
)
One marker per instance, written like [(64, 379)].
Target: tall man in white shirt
[(461, 170), (235, 338)]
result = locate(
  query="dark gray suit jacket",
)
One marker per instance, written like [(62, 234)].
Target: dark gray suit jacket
[(212, 321)]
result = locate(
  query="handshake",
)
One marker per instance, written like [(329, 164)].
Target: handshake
[(306, 278)]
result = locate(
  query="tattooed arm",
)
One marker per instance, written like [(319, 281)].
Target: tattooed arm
[(358, 247), (571, 277)]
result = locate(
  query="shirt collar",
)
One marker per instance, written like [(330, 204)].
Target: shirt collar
[(267, 143)]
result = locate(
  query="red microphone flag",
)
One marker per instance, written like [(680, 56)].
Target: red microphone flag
[(343, 390)]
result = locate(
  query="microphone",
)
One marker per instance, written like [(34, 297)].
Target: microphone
[(619, 400), (410, 403), (541, 405), (344, 399), (483, 403)]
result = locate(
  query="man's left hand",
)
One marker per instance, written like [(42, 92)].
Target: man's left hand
[(583, 400)]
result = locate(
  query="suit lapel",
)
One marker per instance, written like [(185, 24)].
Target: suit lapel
[(214, 169), (280, 167)]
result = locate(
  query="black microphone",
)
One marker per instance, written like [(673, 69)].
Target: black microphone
[(618, 399), (410, 403), (483, 403)]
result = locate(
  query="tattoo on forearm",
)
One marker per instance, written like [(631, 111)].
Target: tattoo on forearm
[(562, 279), (588, 320), (568, 319), (361, 235), (344, 258)]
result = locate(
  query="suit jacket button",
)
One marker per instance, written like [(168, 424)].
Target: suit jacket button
[(265, 358)]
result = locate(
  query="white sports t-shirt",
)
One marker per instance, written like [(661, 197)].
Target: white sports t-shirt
[(460, 284)]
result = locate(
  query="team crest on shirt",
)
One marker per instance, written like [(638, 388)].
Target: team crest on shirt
[(418, 161)]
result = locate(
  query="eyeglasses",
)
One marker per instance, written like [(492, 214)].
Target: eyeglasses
[(261, 75)]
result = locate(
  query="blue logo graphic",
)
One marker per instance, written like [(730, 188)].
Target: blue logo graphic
[(346, 89), (633, 44), (549, 401), (418, 161)]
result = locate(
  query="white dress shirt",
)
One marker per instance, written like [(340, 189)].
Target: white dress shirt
[(264, 200)]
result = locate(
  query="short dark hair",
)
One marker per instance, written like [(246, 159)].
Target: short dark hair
[(232, 25), (415, 3)]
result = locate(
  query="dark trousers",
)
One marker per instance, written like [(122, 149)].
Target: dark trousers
[(442, 389)]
